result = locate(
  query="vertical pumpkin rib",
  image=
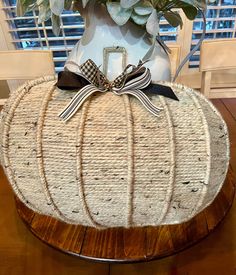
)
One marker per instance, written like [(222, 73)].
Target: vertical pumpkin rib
[(170, 188), (130, 159), (5, 143), (79, 170), (227, 149), (208, 152), (40, 159)]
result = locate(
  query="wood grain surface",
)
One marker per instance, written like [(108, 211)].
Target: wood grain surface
[(120, 245)]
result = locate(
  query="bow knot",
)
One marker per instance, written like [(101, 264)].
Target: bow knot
[(108, 87), (133, 81)]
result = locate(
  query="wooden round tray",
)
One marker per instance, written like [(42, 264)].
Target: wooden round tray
[(129, 245)]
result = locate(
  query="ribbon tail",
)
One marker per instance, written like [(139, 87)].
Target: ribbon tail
[(146, 102), (162, 90), (71, 81), (76, 102)]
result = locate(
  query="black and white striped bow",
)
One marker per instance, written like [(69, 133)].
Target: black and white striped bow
[(92, 80)]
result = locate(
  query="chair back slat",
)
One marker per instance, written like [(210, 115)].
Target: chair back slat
[(218, 55), (22, 64), (174, 58)]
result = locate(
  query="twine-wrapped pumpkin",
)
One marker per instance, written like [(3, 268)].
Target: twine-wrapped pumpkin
[(113, 164)]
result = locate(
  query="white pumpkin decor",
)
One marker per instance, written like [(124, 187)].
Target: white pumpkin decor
[(114, 163)]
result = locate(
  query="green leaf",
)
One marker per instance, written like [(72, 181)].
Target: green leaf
[(139, 19), (44, 12), (23, 6), (118, 14), (57, 6), (173, 18), (190, 12), (196, 3), (56, 24), (143, 8), (126, 4), (153, 23), (85, 2), (68, 4)]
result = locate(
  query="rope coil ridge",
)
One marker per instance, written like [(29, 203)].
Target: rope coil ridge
[(79, 174), (18, 96), (130, 159), (170, 190), (40, 158)]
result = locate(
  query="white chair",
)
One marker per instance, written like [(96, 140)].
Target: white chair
[(25, 65), (217, 55)]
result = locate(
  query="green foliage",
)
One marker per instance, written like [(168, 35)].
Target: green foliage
[(142, 12)]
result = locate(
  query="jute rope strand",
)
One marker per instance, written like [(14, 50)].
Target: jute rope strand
[(21, 92), (208, 150), (79, 171), (210, 104), (227, 160), (39, 152), (170, 188), (193, 97), (110, 158), (130, 161)]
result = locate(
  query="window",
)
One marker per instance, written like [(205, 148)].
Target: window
[(221, 23), (27, 34)]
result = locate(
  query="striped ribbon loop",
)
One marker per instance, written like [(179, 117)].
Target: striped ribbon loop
[(133, 84), (77, 101), (134, 87), (146, 102)]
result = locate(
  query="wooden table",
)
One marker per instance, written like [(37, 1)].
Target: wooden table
[(120, 245)]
